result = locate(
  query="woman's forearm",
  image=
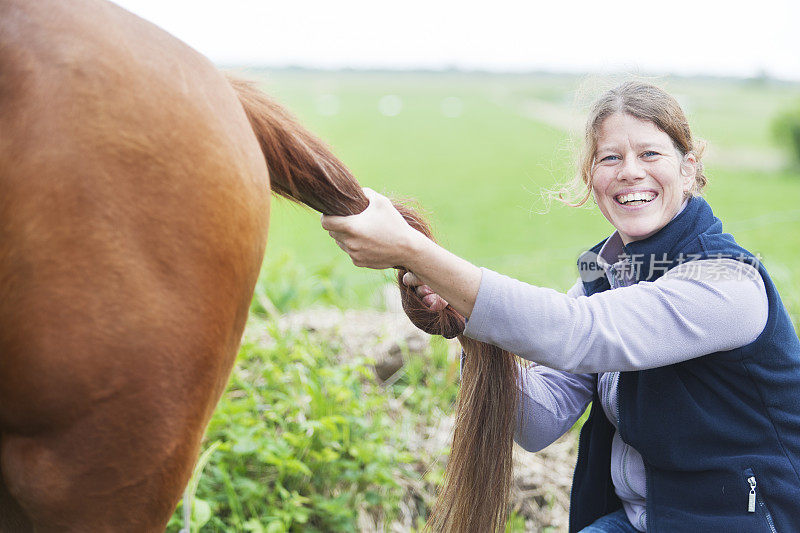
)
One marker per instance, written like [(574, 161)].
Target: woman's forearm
[(701, 307), (451, 277)]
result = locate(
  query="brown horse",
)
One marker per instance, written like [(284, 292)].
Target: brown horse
[(134, 205)]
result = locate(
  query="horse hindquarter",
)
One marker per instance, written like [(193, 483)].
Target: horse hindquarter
[(133, 218)]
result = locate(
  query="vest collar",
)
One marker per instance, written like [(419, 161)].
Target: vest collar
[(652, 256)]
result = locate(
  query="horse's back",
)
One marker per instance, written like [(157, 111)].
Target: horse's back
[(133, 217)]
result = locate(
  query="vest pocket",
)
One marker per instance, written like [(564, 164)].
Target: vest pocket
[(755, 500)]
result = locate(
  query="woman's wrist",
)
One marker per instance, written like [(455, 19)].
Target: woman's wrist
[(419, 252), (451, 277)]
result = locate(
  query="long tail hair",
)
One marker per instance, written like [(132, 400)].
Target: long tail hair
[(477, 481)]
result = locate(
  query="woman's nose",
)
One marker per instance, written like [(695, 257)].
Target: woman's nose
[(631, 169)]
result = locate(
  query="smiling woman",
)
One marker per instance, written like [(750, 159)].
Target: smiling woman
[(638, 141), (675, 335)]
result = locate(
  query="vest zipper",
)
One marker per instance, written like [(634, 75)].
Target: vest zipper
[(751, 502)]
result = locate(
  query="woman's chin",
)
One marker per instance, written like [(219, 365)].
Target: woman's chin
[(637, 233)]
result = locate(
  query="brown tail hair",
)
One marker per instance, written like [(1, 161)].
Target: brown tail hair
[(475, 493)]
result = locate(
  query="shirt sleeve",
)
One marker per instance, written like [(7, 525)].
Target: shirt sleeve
[(697, 308), (551, 401)]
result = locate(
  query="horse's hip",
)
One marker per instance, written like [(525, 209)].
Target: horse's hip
[(133, 219)]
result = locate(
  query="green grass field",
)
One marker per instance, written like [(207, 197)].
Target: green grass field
[(480, 175)]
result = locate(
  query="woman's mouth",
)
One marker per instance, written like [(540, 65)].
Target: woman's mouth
[(635, 198)]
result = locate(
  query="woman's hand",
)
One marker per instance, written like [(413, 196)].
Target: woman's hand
[(431, 299), (378, 237)]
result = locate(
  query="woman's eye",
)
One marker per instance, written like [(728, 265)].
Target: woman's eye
[(609, 158), (650, 153)]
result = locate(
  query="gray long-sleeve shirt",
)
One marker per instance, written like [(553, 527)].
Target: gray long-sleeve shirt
[(697, 308)]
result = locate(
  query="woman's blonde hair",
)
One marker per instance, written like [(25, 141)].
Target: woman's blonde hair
[(643, 101)]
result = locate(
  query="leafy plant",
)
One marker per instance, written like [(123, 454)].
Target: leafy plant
[(305, 442)]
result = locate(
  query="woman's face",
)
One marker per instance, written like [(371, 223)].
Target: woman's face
[(635, 157)]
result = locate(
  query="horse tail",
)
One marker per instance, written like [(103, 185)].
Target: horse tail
[(478, 475), (301, 167)]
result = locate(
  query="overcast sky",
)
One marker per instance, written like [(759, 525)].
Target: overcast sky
[(682, 36)]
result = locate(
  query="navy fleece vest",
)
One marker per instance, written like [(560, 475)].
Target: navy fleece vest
[(708, 428)]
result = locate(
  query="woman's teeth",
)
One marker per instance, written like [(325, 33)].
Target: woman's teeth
[(635, 198)]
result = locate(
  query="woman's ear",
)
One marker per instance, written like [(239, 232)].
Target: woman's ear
[(688, 170)]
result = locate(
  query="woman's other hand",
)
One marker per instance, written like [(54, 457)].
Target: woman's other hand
[(429, 298), (378, 237)]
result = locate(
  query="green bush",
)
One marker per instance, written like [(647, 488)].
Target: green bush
[(305, 443), (786, 127)]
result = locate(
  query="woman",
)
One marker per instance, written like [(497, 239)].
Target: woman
[(674, 332)]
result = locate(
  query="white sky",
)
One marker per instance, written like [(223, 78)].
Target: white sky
[(681, 36)]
